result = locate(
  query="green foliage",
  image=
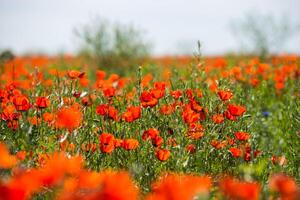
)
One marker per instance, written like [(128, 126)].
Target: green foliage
[(264, 34), (113, 47)]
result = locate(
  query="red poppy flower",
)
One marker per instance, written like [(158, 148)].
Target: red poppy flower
[(132, 113), (109, 92), (86, 101), (114, 186), (157, 93), (113, 113), (157, 141), (107, 142), (190, 116), (9, 113), (189, 93), (160, 85), (242, 136), (236, 110), (229, 116), (42, 102), (102, 109), (235, 152), (195, 106), (21, 103), (147, 99), (285, 186), (225, 95), (21, 155), (235, 189), (150, 133), (191, 148), (176, 94)]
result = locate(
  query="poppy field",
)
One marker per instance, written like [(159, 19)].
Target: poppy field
[(169, 129)]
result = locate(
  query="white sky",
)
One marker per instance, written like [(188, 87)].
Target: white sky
[(47, 25)]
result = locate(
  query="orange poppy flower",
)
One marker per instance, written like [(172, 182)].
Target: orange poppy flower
[(100, 74), (84, 82), (48, 117), (34, 120), (230, 141), (130, 144), (195, 135), (6, 160), (179, 187), (217, 144), (166, 109), (68, 118), (281, 160), (163, 154), (47, 83), (213, 86), (285, 186), (195, 127), (199, 93), (146, 80), (118, 142), (74, 74), (234, 189), (21, 155), (116, 181), (172, 142), (218, 118)]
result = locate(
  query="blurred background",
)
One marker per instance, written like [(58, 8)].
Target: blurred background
[(166, 26)]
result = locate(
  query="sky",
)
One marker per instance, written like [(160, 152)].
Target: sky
[(172, 26)]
